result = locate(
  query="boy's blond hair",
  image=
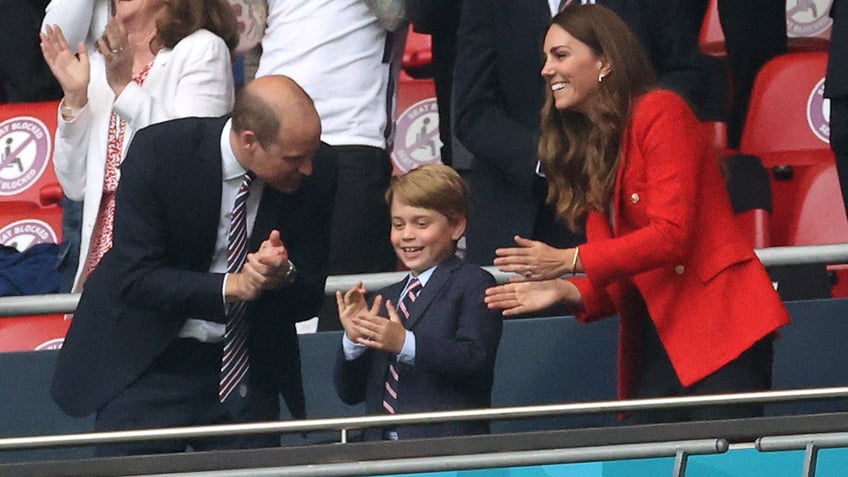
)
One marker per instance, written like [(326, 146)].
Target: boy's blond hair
[(435, 187)]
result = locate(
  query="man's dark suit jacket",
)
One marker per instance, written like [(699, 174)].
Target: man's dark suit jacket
[(836, 88), (456, 340), (499, 92), (837, 66), (156, 274)]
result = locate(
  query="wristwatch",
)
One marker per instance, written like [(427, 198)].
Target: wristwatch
[(69, 113), (291, 273)]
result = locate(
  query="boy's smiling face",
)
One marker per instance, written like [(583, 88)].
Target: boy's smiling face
[(422, 238)]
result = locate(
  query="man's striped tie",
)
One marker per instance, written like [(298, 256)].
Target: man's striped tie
[(235, 362)]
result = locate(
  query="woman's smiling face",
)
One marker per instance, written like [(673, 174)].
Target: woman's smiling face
[(571, 69)]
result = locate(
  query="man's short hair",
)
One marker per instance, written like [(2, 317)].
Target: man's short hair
[(252, 113)]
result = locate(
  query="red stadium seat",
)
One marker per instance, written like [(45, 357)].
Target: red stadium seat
[(23, 224), (787, 127), (790, 177), (417, 139), (819, 216), (29, 209), (32, 333), (26, 153), (30, 194), (786, 108)]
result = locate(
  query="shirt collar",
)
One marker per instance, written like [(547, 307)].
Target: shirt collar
[(230, 166), (422, 277)]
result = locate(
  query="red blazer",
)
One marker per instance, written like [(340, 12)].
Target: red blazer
[(674, 238)]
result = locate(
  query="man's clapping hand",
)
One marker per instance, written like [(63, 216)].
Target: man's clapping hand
[(266, 269)]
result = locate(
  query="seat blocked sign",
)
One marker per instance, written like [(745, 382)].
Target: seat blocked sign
[(24, 153)]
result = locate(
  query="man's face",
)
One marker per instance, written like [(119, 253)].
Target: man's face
[(284, 163)]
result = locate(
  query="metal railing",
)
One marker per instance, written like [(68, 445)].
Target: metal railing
[(810, 443), (680, 450), (343, 425)]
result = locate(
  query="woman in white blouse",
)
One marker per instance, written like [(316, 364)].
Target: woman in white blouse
[(156, 60)]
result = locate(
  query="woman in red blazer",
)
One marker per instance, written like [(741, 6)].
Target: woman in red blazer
[(629, 162)]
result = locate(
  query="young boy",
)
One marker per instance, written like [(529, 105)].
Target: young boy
[(427, 343)]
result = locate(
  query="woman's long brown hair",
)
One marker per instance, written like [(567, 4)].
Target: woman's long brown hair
[(185, 17), (580, 152)]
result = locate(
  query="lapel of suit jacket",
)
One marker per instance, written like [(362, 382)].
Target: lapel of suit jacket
[(263, 220), (271, 214), (206, 193), (438, 280)]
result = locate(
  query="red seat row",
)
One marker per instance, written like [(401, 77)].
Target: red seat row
[(788, 128), (30, 213)]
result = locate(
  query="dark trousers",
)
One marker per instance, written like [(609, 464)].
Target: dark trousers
[(444, 57), (359, 238), (750, 372), (754, 32), (179, 389)]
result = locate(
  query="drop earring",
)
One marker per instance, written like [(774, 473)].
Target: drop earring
[(600, 78)]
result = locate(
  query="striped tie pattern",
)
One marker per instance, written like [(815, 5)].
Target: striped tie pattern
[(235, 362), (390, 397)]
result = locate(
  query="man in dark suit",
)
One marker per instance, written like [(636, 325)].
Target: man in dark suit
[(145, 346), (499, 91), (836, 88)]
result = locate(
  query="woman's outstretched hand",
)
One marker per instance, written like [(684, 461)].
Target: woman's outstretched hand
[(531, 296), (533, 260)]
